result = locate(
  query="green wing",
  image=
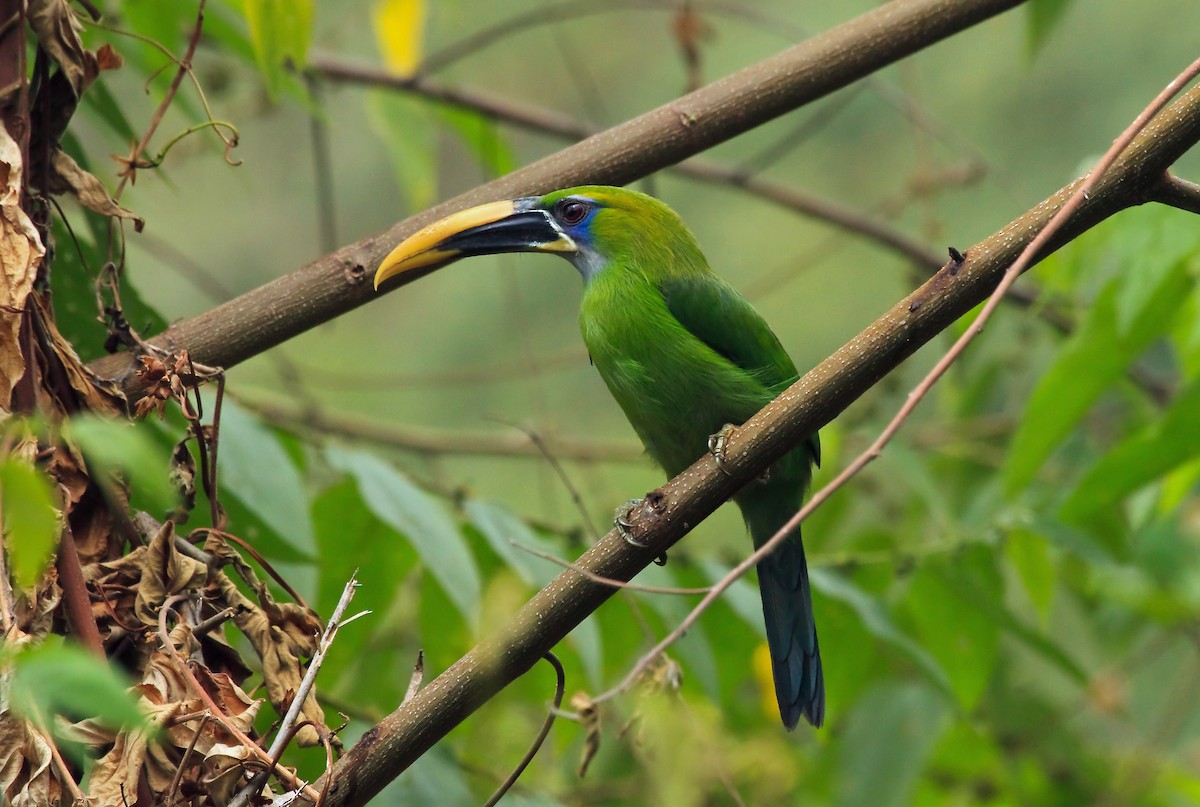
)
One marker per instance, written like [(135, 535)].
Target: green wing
[(713, 312)]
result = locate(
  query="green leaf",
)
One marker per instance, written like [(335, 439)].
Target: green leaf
[(403, 125), (505, 533), (280, 31), (403, 506), (886, 741), (30, 520), (1030, 556), (130, 451), (254, 468), (1093, 358), (878, 622), (350, 537), (1169, 442), (963, 640), (66, 680), (1043, 17), (483, 137)]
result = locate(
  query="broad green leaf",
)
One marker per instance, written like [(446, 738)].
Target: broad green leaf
[(400, 31), (405, 128), (350, 537), (100, 100), (1030, 556), (65, 680), (30, 520), (963, 640), (280, 31), (974, 579), (1142, 458), (878, 622), (505, 533), (403, 506), (1043, 17), (254, 468), (1092, 359), (885, 744), (130, 451), (483, 137)]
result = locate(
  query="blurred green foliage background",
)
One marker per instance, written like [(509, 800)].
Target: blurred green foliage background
[(1007, 600)]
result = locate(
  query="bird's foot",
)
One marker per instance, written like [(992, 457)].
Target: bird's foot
[(717, 444), (622, 524)]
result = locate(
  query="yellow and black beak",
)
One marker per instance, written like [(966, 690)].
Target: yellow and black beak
[(516, 226)]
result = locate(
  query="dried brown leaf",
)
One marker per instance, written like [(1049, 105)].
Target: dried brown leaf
[(21, 253), (27, 775), (589, 715), (165, 572), (57, 31), (282, 634), (67, 177)]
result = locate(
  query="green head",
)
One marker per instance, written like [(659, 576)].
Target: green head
[(592, 226)]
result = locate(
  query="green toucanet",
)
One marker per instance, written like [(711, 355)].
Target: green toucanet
[(683, 354)]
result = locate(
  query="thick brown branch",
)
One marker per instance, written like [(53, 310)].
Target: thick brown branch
[(810, 403), (337, 283)]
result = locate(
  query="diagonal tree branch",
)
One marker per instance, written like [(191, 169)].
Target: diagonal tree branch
[(340, 282), (670, 512)]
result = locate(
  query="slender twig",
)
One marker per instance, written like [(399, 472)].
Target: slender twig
[(185, 67), (608, 581), (560, 472), (427, 442), (285, 731), (1039, 242), (75, 594), (560, 686), (1181, 193), (169, 798)]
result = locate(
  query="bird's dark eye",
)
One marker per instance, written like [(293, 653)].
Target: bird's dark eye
[(571, 211)]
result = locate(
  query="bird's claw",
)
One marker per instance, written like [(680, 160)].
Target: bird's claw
[(717, 444), (622, 524)]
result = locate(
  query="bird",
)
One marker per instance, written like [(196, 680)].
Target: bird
[(686, 358)]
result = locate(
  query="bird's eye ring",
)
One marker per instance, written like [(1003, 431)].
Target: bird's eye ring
[(572, 211)]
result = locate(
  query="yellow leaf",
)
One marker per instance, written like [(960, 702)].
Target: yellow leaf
[(765, 678), (399, 29)]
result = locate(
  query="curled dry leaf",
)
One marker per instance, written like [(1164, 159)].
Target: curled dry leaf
[(67, 177), (21, 252), (26, 774), (57, 31), (165, 572), (282, 634)]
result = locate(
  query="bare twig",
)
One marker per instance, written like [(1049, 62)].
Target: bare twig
[(284, 733), (560, 686), (608, 581), (1038, 243), (428, 442), (560, 472), (1180, 193)]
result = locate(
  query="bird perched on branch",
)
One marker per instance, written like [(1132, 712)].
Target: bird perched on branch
[(684, 355)]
